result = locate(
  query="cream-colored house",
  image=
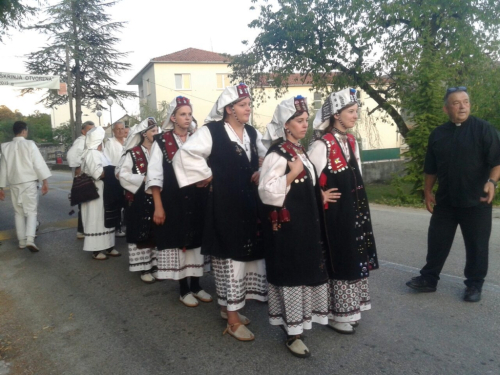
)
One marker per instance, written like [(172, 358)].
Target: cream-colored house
[(202, 75), (196, 74)]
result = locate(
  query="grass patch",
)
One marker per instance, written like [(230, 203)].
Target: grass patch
[(393, 194), (398, 194)]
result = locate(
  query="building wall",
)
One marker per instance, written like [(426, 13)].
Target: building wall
[(148, 91), (203, 92), (375, 131)]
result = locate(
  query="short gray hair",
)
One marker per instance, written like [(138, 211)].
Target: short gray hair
[(87, 123), (116, 123)]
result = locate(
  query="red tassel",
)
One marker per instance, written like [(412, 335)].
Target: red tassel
[(273, 216), (184, 249), (322, 180), (284, 215)]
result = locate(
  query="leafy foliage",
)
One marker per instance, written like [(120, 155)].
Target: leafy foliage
[(86, 30), (371, 44), (12, 14), (64, 134), (39, 125), (159, 113)]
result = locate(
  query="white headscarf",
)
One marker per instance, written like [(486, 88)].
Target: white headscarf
[(174, 104), (333, 104), (93, 139), (135, 135), (283, 112), (230, 95)]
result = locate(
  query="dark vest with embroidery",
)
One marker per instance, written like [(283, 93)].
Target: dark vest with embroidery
[(184, 208), (296, 249), (140, 206), (234, 211), (348, 221)]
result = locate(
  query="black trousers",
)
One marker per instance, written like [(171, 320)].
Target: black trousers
[(80, 222), (475, 223)]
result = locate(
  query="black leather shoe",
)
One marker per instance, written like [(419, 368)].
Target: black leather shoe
[(421, 284), (472, 294)]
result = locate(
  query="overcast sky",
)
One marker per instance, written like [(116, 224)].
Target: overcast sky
[(153, 28)]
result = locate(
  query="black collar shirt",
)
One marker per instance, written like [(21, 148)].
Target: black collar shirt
[(462, 155)]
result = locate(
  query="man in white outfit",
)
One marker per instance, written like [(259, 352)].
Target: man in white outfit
[(21, 167), (74, 157), (113, 149)]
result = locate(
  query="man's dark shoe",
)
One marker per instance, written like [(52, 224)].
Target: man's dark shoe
[(472, 294), (421, 284)]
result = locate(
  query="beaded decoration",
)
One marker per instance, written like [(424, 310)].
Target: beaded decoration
[(336, 161), (168, 146)]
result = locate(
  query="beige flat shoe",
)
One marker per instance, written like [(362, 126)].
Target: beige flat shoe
[(189, 300), (148, 278), (297, 347), (113, 253), (239, 332), (344, 328), (243, 319), (203, 296)]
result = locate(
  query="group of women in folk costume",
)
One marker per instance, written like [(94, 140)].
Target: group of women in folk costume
[(320, 245), (275, 221)]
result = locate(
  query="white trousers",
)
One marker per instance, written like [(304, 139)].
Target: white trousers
[(25, 203)]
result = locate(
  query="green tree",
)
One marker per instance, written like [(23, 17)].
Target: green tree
[(40, 127), (85, 30), (12, 14), (159, 113), (375, 45), (425, 106), (64, 135)]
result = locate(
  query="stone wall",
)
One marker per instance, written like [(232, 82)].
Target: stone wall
[(48, 150), (381, 171)]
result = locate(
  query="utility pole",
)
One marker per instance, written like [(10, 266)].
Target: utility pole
[(70, 98)]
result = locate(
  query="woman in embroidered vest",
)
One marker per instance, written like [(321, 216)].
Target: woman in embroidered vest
[(178, 213), (98, 239), (132, 172), (225, 155), (296, 259), (352, 245)]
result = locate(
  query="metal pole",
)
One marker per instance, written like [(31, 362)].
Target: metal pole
[(74, 131)]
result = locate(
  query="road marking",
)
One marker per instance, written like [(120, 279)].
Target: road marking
[(443, 276)]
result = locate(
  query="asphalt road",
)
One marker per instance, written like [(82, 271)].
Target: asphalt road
[(63, 313)]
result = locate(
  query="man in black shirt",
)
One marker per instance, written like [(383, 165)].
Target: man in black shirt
[(463, 155)]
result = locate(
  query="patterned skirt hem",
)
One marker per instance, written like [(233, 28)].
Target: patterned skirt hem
[(298, 328), (144, 266), (238, 305)]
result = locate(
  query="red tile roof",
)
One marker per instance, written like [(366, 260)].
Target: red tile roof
[(192, 55)]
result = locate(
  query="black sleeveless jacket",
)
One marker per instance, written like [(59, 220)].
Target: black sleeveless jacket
[(233, 216), (296, 254), (184, 209)]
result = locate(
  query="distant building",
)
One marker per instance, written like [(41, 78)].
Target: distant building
[(202, 75)]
